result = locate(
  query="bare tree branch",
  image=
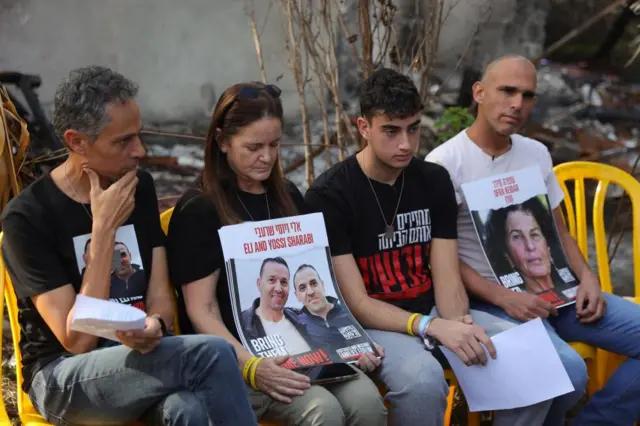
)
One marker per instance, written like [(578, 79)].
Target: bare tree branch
[(249, 10), (295, 64), (365, 35)]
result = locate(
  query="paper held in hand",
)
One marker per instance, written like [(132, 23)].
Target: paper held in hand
[(514, 221), (526, 371), (103, 318)]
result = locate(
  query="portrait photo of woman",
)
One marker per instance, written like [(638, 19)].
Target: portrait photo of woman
[(522, 238)]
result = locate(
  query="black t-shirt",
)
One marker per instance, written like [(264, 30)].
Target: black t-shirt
[(45, 237), (193, 244), (396, 271)]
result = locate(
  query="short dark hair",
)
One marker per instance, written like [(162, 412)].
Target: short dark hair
[(301, 267), (391, 93), (278, 259)]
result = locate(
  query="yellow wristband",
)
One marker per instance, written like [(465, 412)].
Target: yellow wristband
[(247, 366), (410, 324), (254, 368)]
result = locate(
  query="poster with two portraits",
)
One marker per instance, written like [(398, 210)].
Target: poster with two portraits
[(514, 221), (284, 294)]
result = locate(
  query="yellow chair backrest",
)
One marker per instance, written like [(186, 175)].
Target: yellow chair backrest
[(4, 418), (27, 413), (165, 218), (579, 171)]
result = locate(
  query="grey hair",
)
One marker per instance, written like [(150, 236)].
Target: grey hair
[(81, 99)]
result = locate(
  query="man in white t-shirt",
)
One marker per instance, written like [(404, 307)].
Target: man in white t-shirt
[(505, 97)]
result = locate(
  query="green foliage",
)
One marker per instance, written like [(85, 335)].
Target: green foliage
[(454, 120)]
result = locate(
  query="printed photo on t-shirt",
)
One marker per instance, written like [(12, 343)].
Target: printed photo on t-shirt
[(284, 293), (515, 224), (128, 279)]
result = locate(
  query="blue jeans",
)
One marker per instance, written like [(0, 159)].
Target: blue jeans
[(185, 380), (618, 402)]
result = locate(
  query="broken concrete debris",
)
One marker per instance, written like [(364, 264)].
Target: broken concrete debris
[(580, 114)]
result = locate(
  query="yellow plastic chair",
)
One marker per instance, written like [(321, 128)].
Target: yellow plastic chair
[(4, 417), (165, 218), (26, 412), (579, 171)]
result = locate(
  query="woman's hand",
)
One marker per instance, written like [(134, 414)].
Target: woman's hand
[(368, 361), (280, 383)]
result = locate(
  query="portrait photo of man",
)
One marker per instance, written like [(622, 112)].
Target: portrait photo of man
[(127, 277), (268, 315), (324, 317)]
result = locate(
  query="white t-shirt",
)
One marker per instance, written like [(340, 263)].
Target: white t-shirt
[(466, 162), (294, 343)]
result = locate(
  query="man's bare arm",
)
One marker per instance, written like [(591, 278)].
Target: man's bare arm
[(461, 338), (159, 299), (369, 312), (451, 298), (57, 306)]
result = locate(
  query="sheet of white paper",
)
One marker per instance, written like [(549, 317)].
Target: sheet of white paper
[(104, 317), (527, 370)]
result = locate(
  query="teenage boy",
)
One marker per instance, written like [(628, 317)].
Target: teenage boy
[(391, 221)]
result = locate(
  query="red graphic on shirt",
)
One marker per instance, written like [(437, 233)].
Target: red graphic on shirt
[(140, 305), (400, 273), (400, 267)]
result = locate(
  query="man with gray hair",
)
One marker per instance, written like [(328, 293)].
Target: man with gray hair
[(73, 377)]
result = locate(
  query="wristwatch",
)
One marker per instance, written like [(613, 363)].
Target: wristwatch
[(163, 326)]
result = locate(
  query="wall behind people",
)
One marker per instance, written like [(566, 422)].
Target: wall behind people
[(182, 53)]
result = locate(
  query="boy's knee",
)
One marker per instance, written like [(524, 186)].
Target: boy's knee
[(421, 379)]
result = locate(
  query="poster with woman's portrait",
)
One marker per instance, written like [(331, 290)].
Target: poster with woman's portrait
[(516, 227)]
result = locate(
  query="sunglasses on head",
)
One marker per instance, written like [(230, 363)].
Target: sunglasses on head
[(252, 92)]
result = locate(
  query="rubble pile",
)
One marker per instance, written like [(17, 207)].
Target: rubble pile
[(579, 115)]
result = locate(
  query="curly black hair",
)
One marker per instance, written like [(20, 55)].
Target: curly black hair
[(390, 93)]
